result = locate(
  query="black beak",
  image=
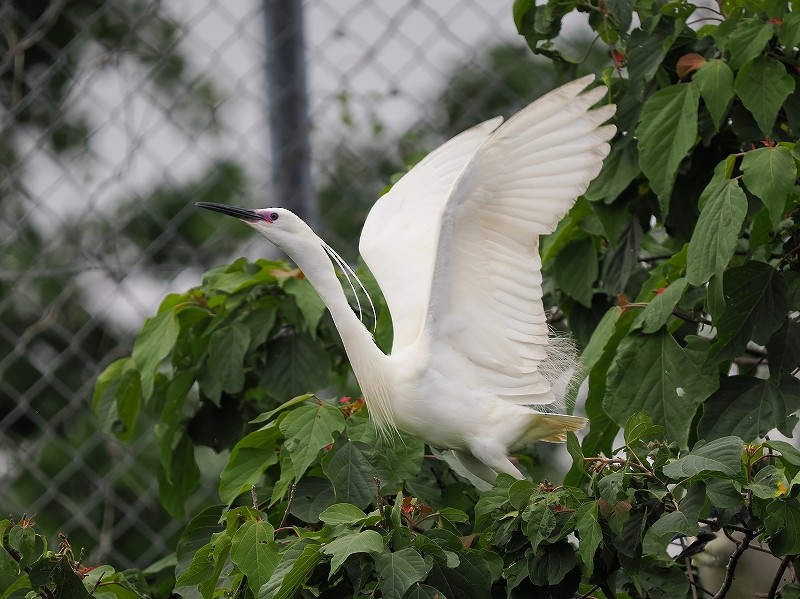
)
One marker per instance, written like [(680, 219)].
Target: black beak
[(697, 546), (240, 213)]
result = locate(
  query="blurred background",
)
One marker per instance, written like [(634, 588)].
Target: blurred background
[(117, 115)]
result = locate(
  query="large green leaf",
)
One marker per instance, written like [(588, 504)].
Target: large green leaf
[(723, 208), (619, 170), (226, 350), (755, 296), (254, 550), (783, 524), (715, 81), (589, 532), (575, 269), (667, 131), (295, 566), (749, 408), (657, 377), (660, 308), (647, 50), (471, 578), (748, 40), (296, 364), (352, 475), (308, 429), (721, 456), (619, 261), (311, 305), (342, 513), (117, 398), (175, 490), (783, 348), (769, 174), (154, 343), (399, 570), (424, 591), (247, 462), (763, 84), (366, 541)]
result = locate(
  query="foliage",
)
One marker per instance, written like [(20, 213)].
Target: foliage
[(677, 272)]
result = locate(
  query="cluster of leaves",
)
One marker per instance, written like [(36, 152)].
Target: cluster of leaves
[(515, 540), (678, 270), (37, 571)]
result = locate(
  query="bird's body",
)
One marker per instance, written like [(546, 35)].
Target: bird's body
[(454, 249)]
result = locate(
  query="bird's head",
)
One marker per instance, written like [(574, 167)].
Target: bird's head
[(282, 227)]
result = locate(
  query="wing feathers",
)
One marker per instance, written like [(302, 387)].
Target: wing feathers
[(487, 282)]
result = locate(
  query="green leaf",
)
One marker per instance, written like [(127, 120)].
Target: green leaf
[(720, 456), (619, 261), (589, 533), (200, 569), (749, 408), (660, 308), (723, 208), (366, 541), (748, 40), (783, 349), (311, 306), (349, 470), (789, 30), (226, 349), (296, 364), (167, 428), (549, 565), (68, 583), (154, 343), (343, 513), (540, 523), (667, 131), (247, 462), (763, 84), (619, 170), (783, 523), (655, 376), (647, 49), (295, 566), (769, 174), (254, 550), (768, 483), (575, 269), (423, 591), (399, 570), (755, 295), (173, 492), (640, 426), (715, 81), (312, 495), (117, 398), (308, 428), (399, 462), (789, 453), (471, 578), (667, 527)]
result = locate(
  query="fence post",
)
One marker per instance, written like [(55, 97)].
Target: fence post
[(288, 108)]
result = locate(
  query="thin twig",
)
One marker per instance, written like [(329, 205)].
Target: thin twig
[(588, 593), (288, 506), (730, 570), (779, 576), (381, 505)]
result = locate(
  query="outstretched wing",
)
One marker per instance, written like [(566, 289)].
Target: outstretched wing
[(486, 314), (399, 238)]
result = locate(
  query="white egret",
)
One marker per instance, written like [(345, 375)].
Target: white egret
[(454, 248)]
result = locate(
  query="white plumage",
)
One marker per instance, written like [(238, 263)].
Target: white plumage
[(454, 247)]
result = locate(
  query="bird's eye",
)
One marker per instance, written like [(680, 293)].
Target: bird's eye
[(273, 216)]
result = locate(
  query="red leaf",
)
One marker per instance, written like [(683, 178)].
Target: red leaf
[(689, 63)]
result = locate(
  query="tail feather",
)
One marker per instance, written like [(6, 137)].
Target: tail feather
[(552, 428)]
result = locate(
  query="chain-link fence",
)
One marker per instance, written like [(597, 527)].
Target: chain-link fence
[(117, 115)]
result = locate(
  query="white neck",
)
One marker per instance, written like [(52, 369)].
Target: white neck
[(368, 361)]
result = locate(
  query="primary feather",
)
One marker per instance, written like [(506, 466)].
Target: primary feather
[(454, 247)]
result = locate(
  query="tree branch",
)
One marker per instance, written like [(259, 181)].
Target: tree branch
[(778, 576), (741, 547)]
